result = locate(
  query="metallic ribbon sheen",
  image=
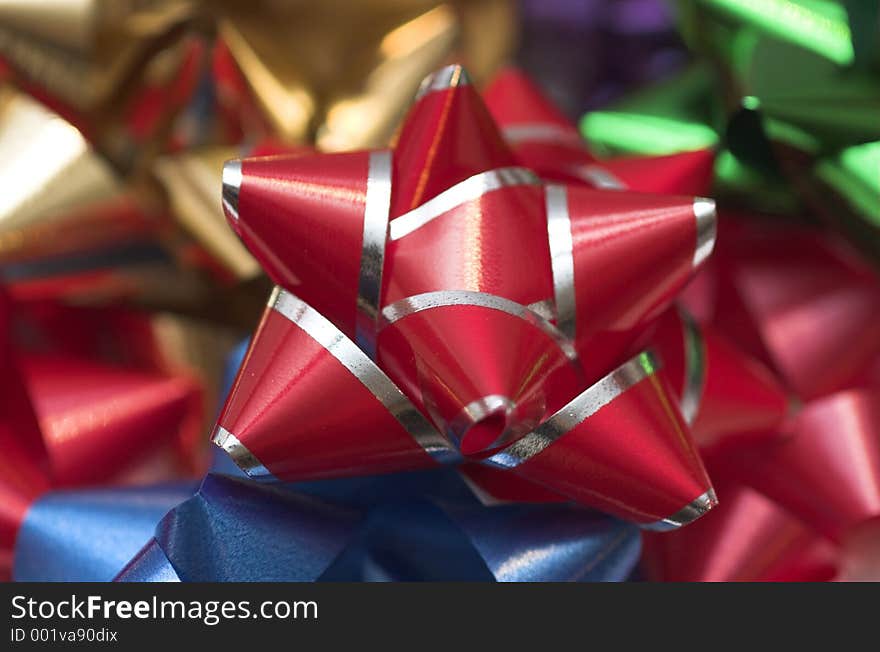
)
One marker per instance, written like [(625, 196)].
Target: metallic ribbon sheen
[(89, 535), (410, 526)]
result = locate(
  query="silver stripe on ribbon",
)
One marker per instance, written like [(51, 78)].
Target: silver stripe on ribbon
[(231, 187), (545, 308), (376, 210), (584, 405), (598, 177), (561, 257), (695, 368), (704, 213), (365, 370), (479, 410), (243, 458), (687, 514), (448, 77), (471, 188), (442, 298), (542, 132)]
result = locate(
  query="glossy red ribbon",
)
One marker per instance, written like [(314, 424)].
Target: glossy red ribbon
[(543, 139), (809, 308), (71, 419), (449, 304)]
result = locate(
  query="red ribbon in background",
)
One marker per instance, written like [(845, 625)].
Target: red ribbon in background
[(87, 400), (543, 139)]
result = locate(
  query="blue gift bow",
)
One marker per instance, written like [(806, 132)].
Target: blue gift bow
[(403, 527)]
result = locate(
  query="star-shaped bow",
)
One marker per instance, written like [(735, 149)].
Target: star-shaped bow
[(451, 306)]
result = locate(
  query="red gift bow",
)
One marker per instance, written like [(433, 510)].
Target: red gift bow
[(817, 496), (799, 299), (821, 478), (481, 301), (748, 538), (71, 420), (810, 308)]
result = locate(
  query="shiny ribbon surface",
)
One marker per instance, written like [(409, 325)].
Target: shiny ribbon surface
[(480, 260), (405, 527)]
